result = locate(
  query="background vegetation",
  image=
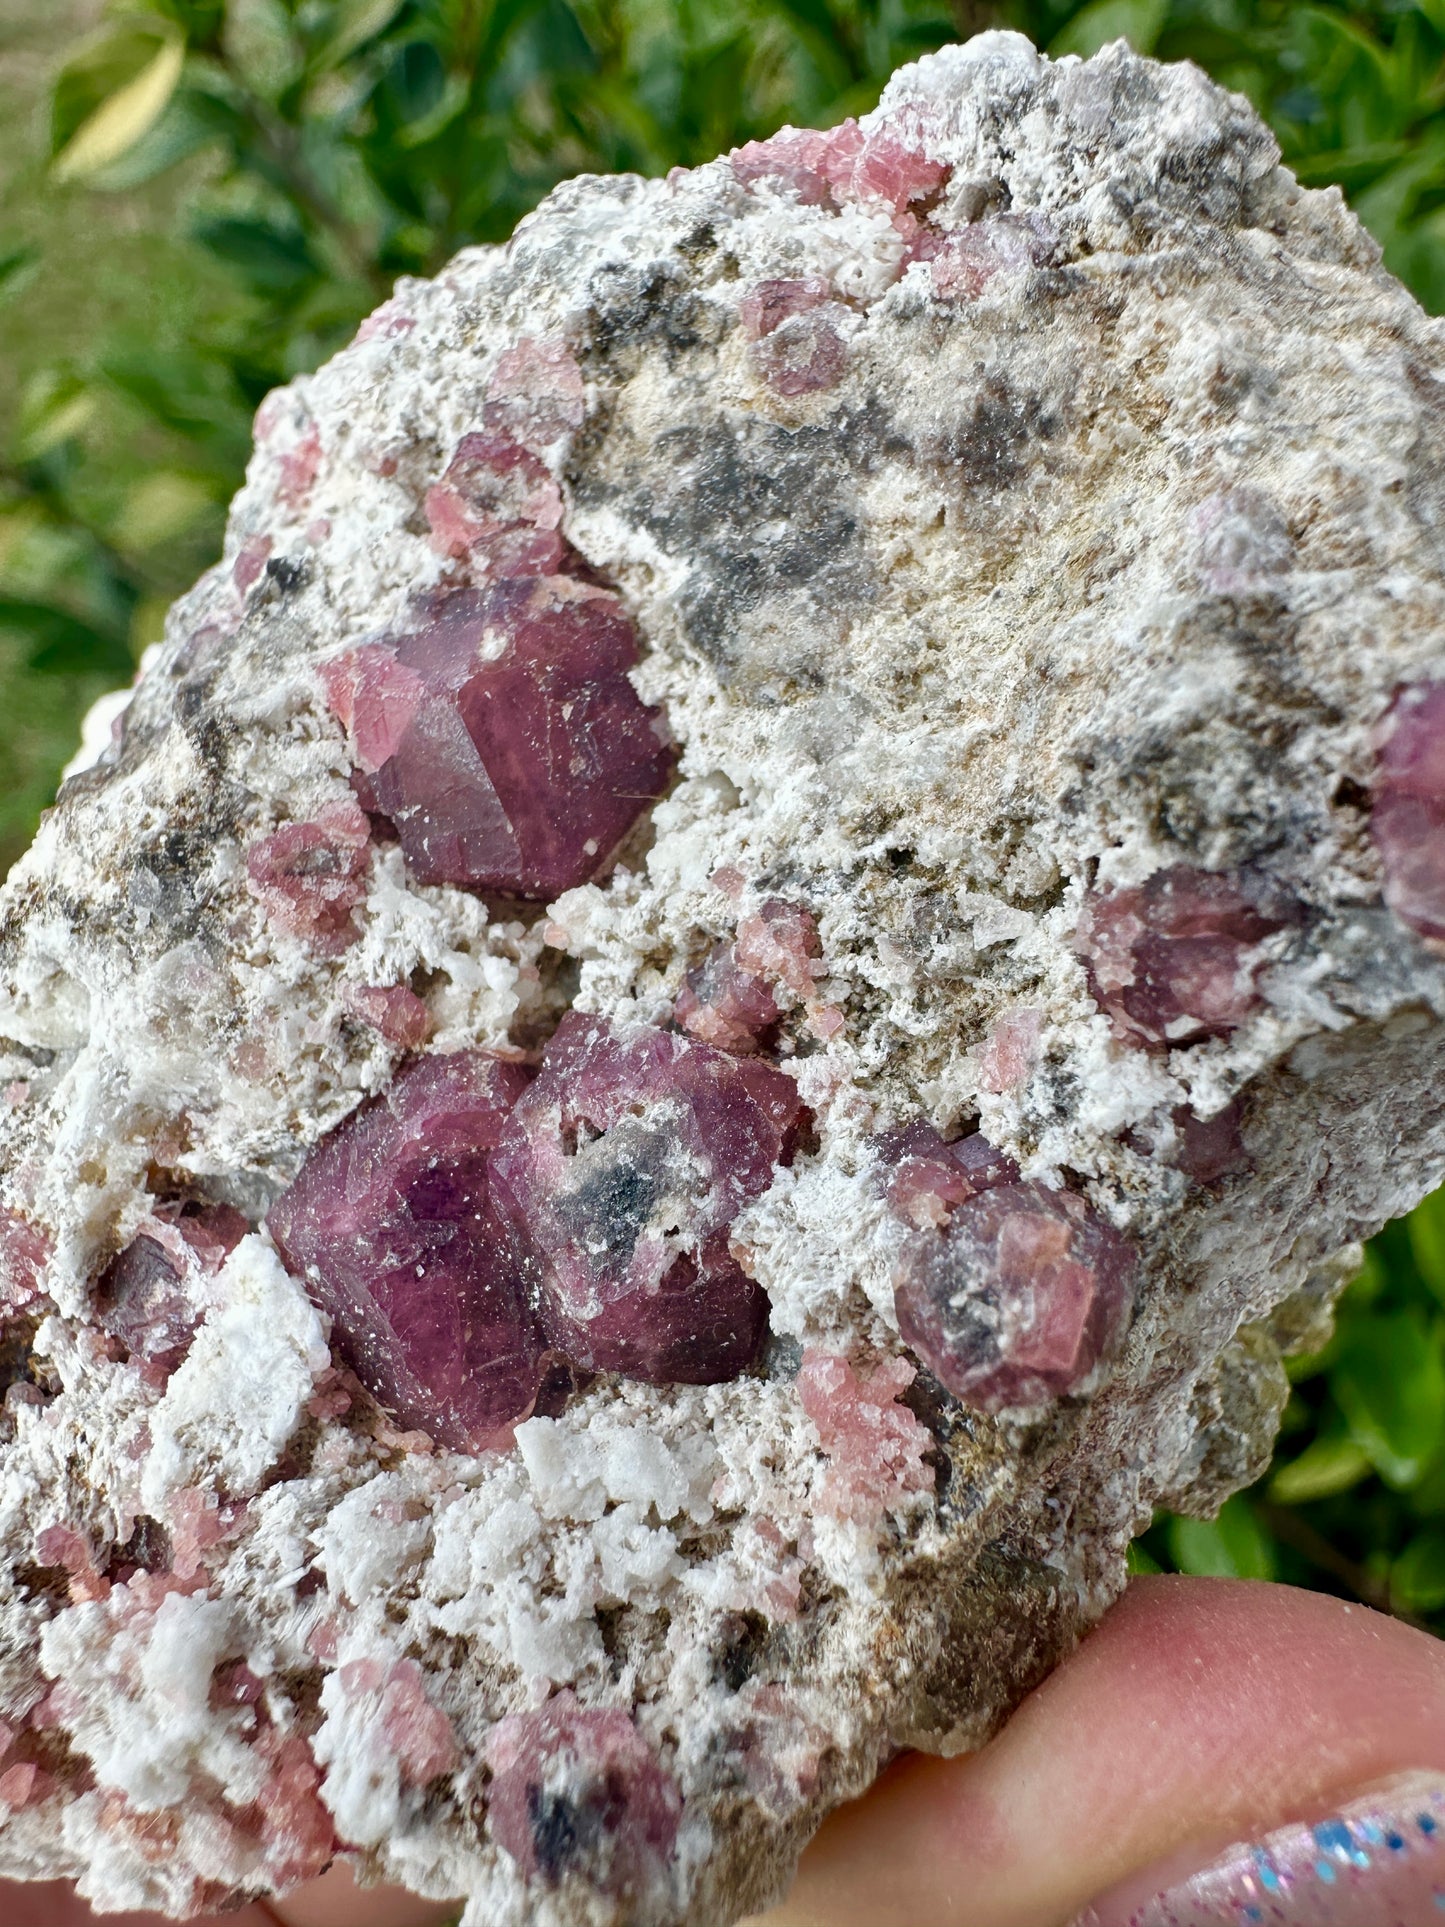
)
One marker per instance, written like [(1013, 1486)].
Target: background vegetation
[(198, 198)]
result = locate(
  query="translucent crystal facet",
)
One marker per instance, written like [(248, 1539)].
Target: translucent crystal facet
[(578, 1790), (1175, 959), (1015, 1293), (621, 1170), (391, 1225), (502, 738), (1407, 821)]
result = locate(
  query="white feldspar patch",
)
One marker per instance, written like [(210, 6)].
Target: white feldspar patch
[(234, 1403)]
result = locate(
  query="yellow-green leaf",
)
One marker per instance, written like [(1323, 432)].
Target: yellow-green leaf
[(127, 117), (356, 22), (1324, 1468), (159, 508)]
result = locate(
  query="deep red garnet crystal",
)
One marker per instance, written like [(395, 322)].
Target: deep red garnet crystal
[(1015, 1301), (1174, 960), (502, 738), (391, 1225), (621, 1170), (578, 1790), (1408, 818)]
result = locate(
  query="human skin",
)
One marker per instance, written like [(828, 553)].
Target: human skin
[(1199, 1712)]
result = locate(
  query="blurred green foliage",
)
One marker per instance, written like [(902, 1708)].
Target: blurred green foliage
[(255, 174)]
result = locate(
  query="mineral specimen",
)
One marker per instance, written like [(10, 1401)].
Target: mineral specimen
[(718, 1005), (621, 1171), (392, 1225)]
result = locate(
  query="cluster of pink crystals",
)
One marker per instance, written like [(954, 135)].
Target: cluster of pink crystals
[(502, 738), (1407, 820), (721, 1003), (24, 1254), (291, 1820), (1010, 1293), (876, 1447), (417, 1733), (1175, 960), (578, 1790), (793, 327), (832, 167), (391, 1225), (620, 1172), (471, 1230), (309, 877), (23, 1782), (499, 505), (730, 999), (394, 1010), (964, 260), (146, 1297)]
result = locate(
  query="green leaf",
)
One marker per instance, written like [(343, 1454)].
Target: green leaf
[(123, 118), (56, 406), (17, 267), (1417, 1578), (1426, 1228), (1325, 1467), (62, 643), (1140, 22), (260, 47), (1233, 1546), (1390, 1384), (273, 259), (160, 507), (354, 22), (1138, 1560)]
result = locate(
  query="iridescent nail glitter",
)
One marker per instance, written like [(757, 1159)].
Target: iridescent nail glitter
[(1379, 1861)]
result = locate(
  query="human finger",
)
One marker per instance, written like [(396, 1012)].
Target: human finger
[(1199, 1713)]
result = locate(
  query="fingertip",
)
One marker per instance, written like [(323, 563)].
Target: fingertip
[(335, 1900), (1197, 1709)]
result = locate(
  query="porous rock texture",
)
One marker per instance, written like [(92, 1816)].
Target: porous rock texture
[(1012, 523)]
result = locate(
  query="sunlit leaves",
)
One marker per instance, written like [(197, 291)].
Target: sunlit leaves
[(121, 116)]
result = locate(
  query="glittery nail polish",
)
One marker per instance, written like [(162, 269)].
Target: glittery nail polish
[(1376, 1861)]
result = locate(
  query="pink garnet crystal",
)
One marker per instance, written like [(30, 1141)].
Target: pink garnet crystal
[(391, 1225), (578, 1790), (1173, 960), (502, 737), (1408, 818), (621, 1170), (1018, 1298)]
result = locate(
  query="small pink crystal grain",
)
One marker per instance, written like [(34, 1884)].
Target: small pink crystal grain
[(620, 1171), (1018, 1298), (391, 1226), (1407, 821), (309, 877), (578, 1790), (875, 1446), (1175, 960), (503, 740)]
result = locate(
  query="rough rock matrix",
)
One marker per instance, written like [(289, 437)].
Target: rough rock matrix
[(718, 1005)]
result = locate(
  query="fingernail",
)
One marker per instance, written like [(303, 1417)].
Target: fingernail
[(1376, 1861)]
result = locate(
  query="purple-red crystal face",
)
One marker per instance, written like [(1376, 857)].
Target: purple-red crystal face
[(1174, 960), (621, 1170), (721, 1003), (502, 737), (578, 1790), (1016, 1301), (391, 1225), (1408, 817), (931, 1175)]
